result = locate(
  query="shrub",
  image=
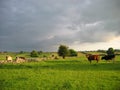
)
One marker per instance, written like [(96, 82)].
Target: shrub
[(72, 52), (40, 52), (34, 53)]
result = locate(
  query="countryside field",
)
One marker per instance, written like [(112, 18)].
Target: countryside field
[(72, 73)]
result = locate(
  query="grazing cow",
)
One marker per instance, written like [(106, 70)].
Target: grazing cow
[(20, 59), (91, 57), (108, 57)]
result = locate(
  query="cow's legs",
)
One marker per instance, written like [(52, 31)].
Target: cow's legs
[(97, 61), (90, 61)]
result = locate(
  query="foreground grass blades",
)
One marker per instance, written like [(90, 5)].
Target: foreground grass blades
[(60, 75)]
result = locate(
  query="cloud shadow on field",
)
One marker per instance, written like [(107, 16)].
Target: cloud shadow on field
[(65, 66)]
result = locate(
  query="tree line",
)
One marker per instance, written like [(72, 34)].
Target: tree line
[(63, 51)]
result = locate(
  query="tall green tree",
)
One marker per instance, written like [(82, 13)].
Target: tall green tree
[(63, 51), (110, 51)]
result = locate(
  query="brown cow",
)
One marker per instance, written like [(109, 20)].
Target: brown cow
[(91, 57), (22, 58)]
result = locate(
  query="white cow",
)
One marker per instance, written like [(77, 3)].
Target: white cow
[(9, 58)]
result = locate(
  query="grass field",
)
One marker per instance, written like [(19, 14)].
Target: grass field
[(69, 74)]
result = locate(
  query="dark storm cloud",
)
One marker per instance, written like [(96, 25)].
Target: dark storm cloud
[(98, 21), (44, 24)]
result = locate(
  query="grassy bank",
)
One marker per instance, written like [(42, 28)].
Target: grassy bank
[(69, 74)]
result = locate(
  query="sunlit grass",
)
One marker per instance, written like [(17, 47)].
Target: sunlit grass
[(72, 73)]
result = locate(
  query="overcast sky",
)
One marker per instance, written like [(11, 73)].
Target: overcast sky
[(26, 25)]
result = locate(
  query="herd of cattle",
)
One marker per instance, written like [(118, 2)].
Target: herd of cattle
[(9, 59), (90, 58)]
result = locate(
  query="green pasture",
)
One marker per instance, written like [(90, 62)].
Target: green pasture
[(73, 73)]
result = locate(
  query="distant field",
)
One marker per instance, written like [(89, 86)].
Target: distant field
[(70, 74), (26, 54)]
